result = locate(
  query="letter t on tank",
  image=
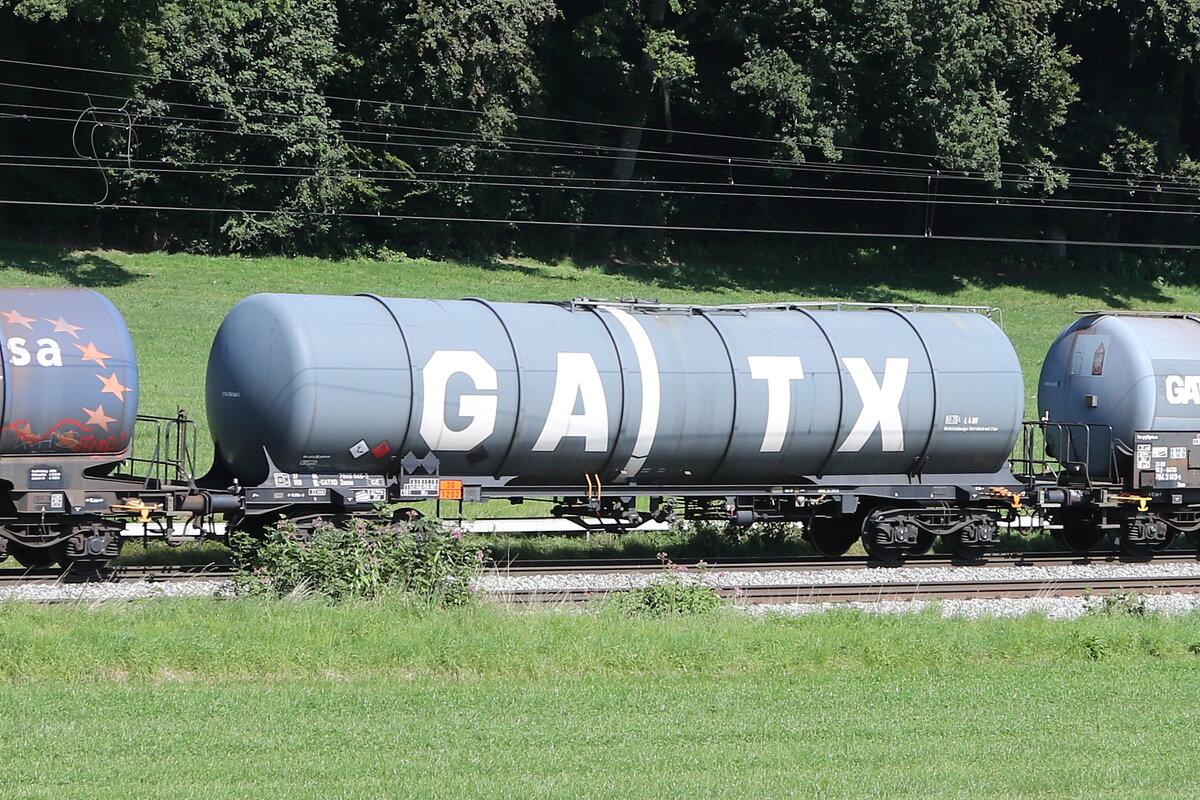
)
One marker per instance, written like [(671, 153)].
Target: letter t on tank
[(778, 372)]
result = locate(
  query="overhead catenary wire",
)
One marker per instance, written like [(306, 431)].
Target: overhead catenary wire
[(358, 101), (1122, 184), (593, 150), (480, 137), (825, 194), (647, 157), (407, 136), (598, 225)]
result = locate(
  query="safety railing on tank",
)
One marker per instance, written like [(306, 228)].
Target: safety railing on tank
[(1133, 313), (1070, 439), (991, 312), (163, 450)]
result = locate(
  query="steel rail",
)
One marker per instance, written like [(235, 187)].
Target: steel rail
[(122, 574), (867, 593), (812, 563), (185, 572)]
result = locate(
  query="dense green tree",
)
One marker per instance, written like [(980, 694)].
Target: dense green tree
[(972, 82), (601, 111)]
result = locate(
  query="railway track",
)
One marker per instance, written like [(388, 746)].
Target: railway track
[(178, 572), (155, 574), (867, 593), (738, 564), (853, 589)]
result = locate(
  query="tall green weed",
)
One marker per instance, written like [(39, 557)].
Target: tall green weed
[(422, 559)]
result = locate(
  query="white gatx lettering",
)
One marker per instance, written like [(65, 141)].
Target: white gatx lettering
[(651, 391), (881, 404), (577, 379), (778, 372), (1182, 389), (481, 408)]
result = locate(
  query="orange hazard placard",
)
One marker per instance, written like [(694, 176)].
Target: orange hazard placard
[(450, 490)]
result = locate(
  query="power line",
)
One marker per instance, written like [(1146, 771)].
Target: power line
[(694, 160), (561, 120), (727, 192), (605, 225)]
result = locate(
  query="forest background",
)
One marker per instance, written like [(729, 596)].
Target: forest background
[(617, 128)]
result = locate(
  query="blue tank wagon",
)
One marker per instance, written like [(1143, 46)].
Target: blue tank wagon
[(69, 406)]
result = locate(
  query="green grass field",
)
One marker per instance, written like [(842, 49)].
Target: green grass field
[(197, 699)]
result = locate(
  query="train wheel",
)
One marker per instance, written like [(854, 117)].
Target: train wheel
[(1193, 538), (1080, 532), (834, 536), (1134, 551), (967, 547), (34, 557), (1165, 543), (1079, 540), (890, 542), (1140, 537), (974, 540), (91, 548), (890, 554)]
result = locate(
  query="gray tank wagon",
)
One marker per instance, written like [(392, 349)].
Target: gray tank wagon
[(891, 423), (1119, 408)]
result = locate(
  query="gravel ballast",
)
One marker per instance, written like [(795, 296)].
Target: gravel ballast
[(1053, 607), (101, 592), (498, 581)]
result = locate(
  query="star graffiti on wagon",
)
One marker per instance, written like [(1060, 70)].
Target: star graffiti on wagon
[(91, 353), (15, 317), (62, 326), (112, 385), (96, 416)]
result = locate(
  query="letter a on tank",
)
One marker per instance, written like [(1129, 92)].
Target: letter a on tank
[(576, 378)]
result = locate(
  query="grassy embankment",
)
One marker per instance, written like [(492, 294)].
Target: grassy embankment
[(202, 699), (209, 699)]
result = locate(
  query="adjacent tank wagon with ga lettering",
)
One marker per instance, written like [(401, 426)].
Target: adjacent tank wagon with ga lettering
[(886, 422), (1119, 406)]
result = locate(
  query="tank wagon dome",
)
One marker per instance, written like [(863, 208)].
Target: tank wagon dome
[(542, 394), (1122, 372), (70, 377)]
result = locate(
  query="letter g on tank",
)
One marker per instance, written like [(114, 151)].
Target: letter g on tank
[(479, 408), (1182, 389)]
